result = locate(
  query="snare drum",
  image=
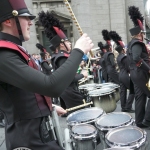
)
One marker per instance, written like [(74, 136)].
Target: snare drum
[(82, 116), (127, 137), (102, 98), (110, 121), (116, 87), (84, 137)]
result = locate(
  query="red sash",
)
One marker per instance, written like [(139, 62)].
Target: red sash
[(30, 61)]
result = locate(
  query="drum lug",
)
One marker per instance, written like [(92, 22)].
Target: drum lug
[(94, 144)]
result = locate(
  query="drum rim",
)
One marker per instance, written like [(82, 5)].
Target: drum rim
[(107, 128), (101, 94), (84, 137), (128, 145), (85, 109)]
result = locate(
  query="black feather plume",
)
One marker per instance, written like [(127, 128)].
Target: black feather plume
[(48, 20), (100, 44), (39, 46), (115, 37), (135, 14), (106, 36)]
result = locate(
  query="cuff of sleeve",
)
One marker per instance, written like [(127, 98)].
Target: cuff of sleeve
[(77, 49)]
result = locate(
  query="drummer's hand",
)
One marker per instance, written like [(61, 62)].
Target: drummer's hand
[(85, 74), (84, 43), (60, 111)]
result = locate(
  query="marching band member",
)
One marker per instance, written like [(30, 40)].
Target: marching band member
[(25, 91), (102, 61), (139, 68), (71, 96), (109, 59), (124, 78)]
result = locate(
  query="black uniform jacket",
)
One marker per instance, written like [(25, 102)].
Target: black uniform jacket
[(139, 64), (111, 67), (123, 64), (19, 84), (71, 95), (104, 69)]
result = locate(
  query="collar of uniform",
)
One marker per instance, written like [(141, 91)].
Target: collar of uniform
[(11, 38)]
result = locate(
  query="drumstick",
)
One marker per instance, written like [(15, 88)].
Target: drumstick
[(82, 81), (75, 20), (80, 106)]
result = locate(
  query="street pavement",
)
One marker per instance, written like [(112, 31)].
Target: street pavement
[(64, 125)]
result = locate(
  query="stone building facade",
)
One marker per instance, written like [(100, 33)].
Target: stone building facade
[(92, 15)]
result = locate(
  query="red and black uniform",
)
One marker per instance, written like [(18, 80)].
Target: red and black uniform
[(139, 72), (111, 67), (71, 96), (124, 79), (22, 90), (104, 69)]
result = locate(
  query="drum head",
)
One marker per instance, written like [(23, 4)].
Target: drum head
[(101, 92), (126, 136), (84, 131), (86, 115), (111, 85), (85, 86), (113, 120)]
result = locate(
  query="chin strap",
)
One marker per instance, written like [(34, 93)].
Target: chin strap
[(19, 29), (65, 46)]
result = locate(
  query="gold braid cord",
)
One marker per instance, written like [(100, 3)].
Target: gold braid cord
[(75, 20)]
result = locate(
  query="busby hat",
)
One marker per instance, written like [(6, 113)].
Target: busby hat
[(118, 40), (53, 29), (137, 19), (101, 46), (107, 38), (13, 8)]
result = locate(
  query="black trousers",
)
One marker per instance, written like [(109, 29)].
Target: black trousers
[(142, 111), (25, 133), (126, 103)]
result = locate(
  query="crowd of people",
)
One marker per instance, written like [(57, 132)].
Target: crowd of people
[(28, 83)]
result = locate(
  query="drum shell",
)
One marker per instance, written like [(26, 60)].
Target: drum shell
[(85, 141), (137, 144), (116, 87), (103, 100)]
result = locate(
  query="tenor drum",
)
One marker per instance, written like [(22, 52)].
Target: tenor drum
[(111, 121), (84, 137), (116, 87), (127, 137), (102, 98), (84, 89), (82, 116)]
